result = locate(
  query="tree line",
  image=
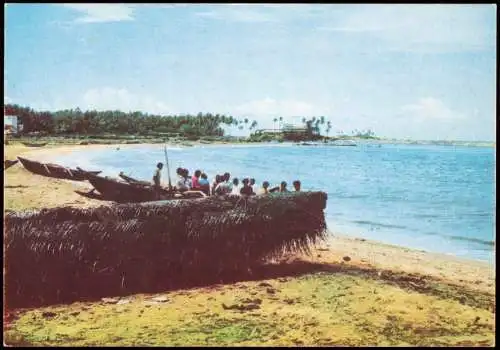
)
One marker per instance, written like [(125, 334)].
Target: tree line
[(75, 121), (92, 122)]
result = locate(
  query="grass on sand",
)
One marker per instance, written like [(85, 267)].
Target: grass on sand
[(320, 308)]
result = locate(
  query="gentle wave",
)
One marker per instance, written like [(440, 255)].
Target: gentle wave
[(464, 239), (378, 224)]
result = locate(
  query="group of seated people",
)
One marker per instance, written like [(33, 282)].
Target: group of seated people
[(222, 185)]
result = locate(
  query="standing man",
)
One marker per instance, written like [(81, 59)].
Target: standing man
[(252, 185), (157, 180), (157, 175)]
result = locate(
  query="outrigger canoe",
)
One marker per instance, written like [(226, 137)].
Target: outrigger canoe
[(122, 192), (32, 144), (55, 171)]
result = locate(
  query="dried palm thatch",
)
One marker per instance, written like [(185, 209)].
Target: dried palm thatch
[(62, 254)]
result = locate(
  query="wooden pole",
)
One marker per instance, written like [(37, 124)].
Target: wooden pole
[(168, 167)]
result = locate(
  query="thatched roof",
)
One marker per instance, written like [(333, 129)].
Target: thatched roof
[(65, 253)]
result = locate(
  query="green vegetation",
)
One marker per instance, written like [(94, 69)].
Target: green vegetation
[(138, 126), (76, 122), (322, 308)]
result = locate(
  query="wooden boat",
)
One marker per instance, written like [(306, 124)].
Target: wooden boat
[(8, 163), (123, 192), (34, 144), (55, 171), (133, 181)]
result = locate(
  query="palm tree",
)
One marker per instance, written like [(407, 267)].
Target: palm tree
[(275, 120), (328, 128), (303, 120), (281, 122)]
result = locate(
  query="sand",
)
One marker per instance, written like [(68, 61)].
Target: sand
[(23, 189)]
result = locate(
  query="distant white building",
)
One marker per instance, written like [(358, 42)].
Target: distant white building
[(10, 124)]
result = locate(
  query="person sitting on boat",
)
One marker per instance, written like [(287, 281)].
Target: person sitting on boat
[(224, 187), (215, 183), (236, 188), (252, 185), (187, 178), (246, 189), (157, 175), (283, 187), (182, 183), (296, 185), (204, 184), (264, 189), (195, 184)]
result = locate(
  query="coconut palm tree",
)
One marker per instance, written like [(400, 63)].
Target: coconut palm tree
[(281, 123), (328, 127), (275, 120)]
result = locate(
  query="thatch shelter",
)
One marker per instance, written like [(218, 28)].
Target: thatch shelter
[(64, 254)]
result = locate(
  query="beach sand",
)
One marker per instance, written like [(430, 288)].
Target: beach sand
[(23, 189)]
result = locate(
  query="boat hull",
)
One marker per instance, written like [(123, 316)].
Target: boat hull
[(55, 171), (123, 192), (29, 144)]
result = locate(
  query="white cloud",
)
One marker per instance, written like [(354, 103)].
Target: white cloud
[(6, 99), (421, 27), (430, 108), (93, 13), (255, 13), (108, 98), (236, 15)]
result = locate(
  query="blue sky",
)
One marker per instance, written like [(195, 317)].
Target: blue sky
[(405, 71)]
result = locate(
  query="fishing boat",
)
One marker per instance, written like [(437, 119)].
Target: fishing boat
[(34, 144), (8, 163), (55, 171), (123, 192)]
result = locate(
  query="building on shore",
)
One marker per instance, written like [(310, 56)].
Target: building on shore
[(11, 124), (292, 132)]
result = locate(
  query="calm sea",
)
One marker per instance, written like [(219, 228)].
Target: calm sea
[(434, 198)]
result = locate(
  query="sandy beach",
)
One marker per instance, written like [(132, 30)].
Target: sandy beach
[(24, 190)]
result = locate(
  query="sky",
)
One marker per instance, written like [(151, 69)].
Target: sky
[(418, 71)]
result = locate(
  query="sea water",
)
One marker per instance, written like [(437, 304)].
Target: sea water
[(435, 198)]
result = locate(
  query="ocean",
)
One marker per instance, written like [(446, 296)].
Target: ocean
[(434, 198)]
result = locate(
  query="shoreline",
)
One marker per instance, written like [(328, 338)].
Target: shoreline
[(56, 141), (363, 252)]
